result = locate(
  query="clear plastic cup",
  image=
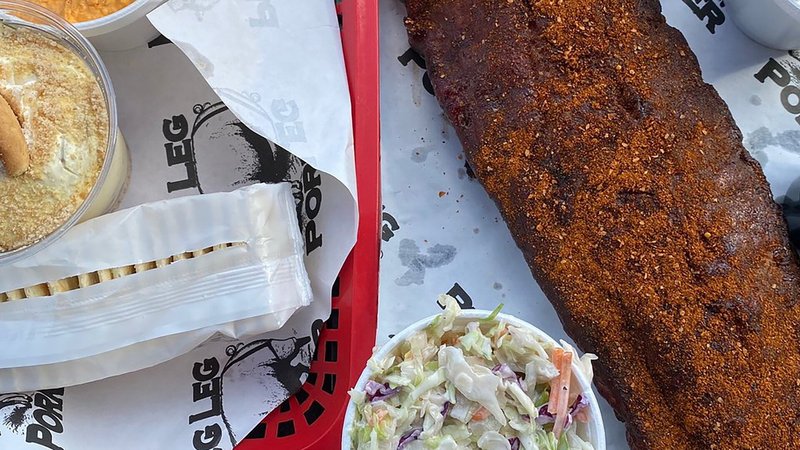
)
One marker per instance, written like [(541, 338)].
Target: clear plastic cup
[(113, 177), (593, 431)]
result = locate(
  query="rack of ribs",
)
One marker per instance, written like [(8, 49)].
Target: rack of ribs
[(623, 179)]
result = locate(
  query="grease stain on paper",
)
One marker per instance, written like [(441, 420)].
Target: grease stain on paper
[(418, 263), (758, 140), (420, 154)]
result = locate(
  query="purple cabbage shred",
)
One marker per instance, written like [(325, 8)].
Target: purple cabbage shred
[(446, 408), (581, 402), (411, 435), (514, 441), (507, 374), (568, 421), (372, 387), (376, 391), (544, 416)]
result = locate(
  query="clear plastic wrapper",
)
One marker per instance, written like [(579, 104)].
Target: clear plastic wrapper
[(98, 297)]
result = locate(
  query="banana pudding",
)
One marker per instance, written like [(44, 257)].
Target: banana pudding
[(55, 138)]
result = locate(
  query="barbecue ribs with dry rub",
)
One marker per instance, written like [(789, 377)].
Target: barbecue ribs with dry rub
[(623, 179)]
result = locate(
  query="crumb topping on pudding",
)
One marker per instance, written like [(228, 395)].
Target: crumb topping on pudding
[(64, 119)]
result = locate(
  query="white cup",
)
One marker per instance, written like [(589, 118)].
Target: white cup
[(593, 431), (773, 23), (122, 30)]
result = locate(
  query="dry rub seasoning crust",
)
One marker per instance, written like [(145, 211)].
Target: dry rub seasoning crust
[(624, 181), (65, 123)]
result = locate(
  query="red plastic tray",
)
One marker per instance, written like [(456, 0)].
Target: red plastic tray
[(312, 418)]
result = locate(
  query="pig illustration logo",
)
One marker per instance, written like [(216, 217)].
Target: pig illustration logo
[(221, 154), (228, 154), (216, 152), (199, 7), (33, 418), (795, 54), (15, 410), (260, 374)]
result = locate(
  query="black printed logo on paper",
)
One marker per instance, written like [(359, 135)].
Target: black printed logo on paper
[(786, 76), (160, 40), (411, 55), (15, 410), (709, 12), (390, 225), (37, 415), (276, 366), (216, 152), (461, 296), (339, 15)]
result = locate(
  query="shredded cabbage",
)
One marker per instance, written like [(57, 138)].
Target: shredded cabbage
[(481, 385)]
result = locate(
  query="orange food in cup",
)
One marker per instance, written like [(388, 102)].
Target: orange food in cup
[(83, 10)]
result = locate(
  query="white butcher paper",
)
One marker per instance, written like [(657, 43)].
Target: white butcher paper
[(441, 232), (255, 91)]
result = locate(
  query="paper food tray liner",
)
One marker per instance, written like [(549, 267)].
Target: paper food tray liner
[(286, 117), (440, 227)]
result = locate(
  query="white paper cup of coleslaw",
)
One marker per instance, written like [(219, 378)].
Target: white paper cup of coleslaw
[(592, 432), (124, 29)]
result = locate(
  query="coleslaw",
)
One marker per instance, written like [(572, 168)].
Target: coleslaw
[(484, 385)]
